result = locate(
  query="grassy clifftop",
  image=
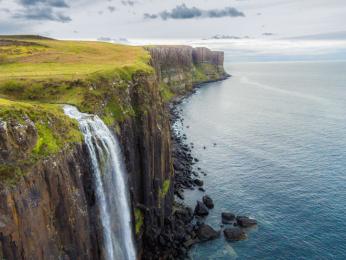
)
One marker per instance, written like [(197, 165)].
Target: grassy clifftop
[(36, 58), (38, 74)]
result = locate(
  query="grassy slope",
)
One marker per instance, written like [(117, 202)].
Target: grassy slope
[(38, 74), (42, 59)]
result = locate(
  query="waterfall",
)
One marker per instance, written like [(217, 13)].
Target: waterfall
[(110, 185)]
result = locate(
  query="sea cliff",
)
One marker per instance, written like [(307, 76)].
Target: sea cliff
[(47, 201)]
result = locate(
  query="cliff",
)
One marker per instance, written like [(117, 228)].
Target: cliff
[(47, 201), (179, 68)]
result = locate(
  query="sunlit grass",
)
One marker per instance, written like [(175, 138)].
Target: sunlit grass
[(40, 59)]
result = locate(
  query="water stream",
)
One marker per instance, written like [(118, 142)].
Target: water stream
[(110, 185)]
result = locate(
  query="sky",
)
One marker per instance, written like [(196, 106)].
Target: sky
[(285, 21), (91, 19)]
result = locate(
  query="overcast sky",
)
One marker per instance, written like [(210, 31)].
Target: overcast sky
[(91, 19)]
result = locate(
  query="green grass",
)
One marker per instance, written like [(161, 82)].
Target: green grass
[(84, 74), (54, 128), (139, 218), (166, 92), (28, 57), (38, 74), (165, 188), (54, 132)]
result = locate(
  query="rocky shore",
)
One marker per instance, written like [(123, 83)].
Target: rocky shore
[(187, 227)]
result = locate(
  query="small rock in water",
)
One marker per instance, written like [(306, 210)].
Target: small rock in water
[(234, 234), (201, 210), (198, 182), (204, 147), (206, 233), (201, 189), (208, 202), (246, 222), (227, 218)]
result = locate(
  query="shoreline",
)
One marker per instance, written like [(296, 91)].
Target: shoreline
[(181, 152), (185, 178), (188, 177)]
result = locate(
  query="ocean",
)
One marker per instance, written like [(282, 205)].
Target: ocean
[(280, 157)]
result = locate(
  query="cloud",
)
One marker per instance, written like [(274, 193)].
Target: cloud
[(113, 40), (128, 2), (41, 14), (51, 3), (111, 8), (184, 12), (42, 10), (268, 34)]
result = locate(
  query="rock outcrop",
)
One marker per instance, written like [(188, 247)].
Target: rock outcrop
[(50, 213)]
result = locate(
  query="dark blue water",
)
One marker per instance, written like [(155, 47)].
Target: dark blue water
[(280, 157)]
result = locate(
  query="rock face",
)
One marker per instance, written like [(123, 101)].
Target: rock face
[(51, 214), (180, 67)]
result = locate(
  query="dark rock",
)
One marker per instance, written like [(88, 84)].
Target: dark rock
[(179, 194), (198, 182), (227, 218), (201, 210), (208, 202), (190, 242), (246, 221), (206, 233), (201, 189), (234, 234)]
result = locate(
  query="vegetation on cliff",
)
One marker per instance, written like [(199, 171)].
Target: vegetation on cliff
[(38, 74), (53, 131)]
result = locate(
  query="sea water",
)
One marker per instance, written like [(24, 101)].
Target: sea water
[(280, 157)]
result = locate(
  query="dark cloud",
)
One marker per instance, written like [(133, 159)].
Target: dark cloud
[(42, 10), (128, 2), (47, 3), (228, 11), (111, 8), (150, 16), (184, 12), (41, 14)]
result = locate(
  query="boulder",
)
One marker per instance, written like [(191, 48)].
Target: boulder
[(198, 182), (208, 202), (227, 218), (206, 233), (201, 210), (246, 222), (234, 234)]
